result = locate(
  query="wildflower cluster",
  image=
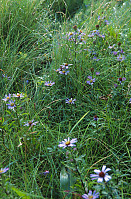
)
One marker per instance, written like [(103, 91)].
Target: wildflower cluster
[(63, 70), (77, 36)]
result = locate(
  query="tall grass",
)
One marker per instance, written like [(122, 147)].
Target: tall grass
[(34, 44)]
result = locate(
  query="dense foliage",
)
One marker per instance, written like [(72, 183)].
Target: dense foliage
[(65, 99)]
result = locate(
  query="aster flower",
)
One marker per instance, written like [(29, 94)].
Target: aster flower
[(97, 73), (70, 35), (63, 72), (101, 175), (11, 104), (91, 81), (101, 18), (102, 36), (3, 170), (18, 95), (65, 66), (114, 52), (81, 40), (91, 195), (120, 57), (70, 101), (110, 47), (31, 123), (95, 118), (46, 172), (49, 83), (121, 51), (120, 79), (95, 58), (115, 85), (57, 70), (106, 22), (7, 97), (130, 100), (68, 142), (5, 76)]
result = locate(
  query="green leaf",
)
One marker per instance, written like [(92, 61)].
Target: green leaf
[(20, 193), (66, 181)]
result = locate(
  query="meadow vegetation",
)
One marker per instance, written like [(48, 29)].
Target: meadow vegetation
[(65, 99)]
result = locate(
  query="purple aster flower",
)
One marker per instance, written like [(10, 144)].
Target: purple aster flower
[(121, 51), (11, 104), (70, 101), (18, 95), (102, 36), (3, 170), (63, 72), (120, 79), (95, 58), (46, 172), (49, 83), (120, 58), (101, 18), (57, 70), (91, 195), (95, 118), (96, 32), (68, 142), (30, 123), (106, 22), (101, 175), (7, 97), (97, 73), (5, 76), (81, 40), (93, 33), (114, 52), (115, 85), (91, 81), (70, 34)]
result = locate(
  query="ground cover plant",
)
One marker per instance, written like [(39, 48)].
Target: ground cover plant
[(65, 100)]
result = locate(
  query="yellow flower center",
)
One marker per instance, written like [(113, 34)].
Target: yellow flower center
[(70, 100), (66, 64), (49, 84), (63, 71), (1, 171), (18, 95), (91, 81), (7, 98), (71, 33), (12, 104), (90, 197), (67, 143)]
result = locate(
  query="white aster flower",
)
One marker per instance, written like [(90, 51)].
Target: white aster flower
[(18, 95), (101, 175), (68, 142), (3, 170)]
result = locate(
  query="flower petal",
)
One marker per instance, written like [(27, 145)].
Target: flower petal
[(97, 171), (108, 169), (103, 168), (107, 178), (100, 180)]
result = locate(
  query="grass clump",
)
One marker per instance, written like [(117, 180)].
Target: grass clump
[(65, 101)]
